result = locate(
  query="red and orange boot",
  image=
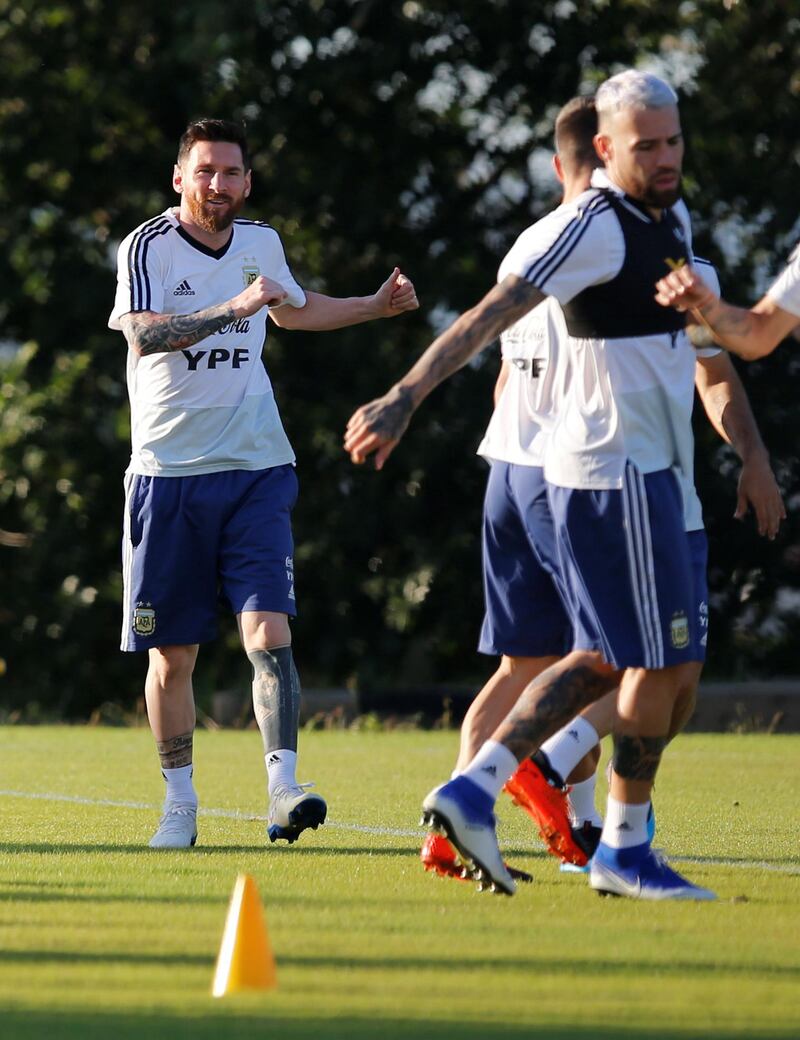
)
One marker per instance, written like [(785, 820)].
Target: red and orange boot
[(440, 857), (537, 789)]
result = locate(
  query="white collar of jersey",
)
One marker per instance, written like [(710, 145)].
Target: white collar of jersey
[(600, 179)]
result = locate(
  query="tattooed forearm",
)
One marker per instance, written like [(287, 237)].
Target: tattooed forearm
[(637, 758), (550, 701), (176, 752), (149, 333), (470, 333)]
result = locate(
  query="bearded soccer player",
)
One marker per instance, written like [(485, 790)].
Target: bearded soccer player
[(623, 431), (211, 482), (525, 620)]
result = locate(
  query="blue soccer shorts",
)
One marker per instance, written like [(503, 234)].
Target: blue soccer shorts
[(628, 567), (525, 615), (189, 541)]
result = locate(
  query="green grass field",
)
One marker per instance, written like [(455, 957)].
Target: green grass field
[(101, 937)]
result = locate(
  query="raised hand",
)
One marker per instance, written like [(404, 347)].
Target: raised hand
[(397, 294)]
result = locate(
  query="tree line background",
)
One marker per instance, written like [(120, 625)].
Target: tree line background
[(384, 132)]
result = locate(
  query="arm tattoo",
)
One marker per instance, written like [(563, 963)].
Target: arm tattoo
[(149, 333), (469, 334), (637, 758), (554, 698), (176, 752)]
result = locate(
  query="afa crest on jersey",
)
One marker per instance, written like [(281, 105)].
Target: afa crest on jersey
[(144, 619), (250, 271)]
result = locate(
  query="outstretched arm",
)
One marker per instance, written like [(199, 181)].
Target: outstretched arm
[(728, 409), (322, 313), (378, 426), (151, 333), (750, 333)]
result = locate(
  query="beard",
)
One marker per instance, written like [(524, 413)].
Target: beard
[(662, 198), (212, 218)]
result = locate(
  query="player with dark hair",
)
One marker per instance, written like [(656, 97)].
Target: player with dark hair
[(211, 482)]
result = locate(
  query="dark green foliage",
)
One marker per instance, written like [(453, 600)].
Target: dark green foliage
[(360, 165)]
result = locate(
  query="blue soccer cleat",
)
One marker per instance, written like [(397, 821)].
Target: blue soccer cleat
[(640, 873), (462, 811)]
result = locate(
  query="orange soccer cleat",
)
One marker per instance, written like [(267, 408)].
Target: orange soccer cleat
[(440, 857), (538, 790)]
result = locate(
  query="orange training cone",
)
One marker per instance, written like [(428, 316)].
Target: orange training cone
[(245, 957)]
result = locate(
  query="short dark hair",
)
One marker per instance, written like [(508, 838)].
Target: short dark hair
[(213, 130), (576, 126)]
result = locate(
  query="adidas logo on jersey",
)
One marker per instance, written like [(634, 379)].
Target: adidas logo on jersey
[(184, 289)]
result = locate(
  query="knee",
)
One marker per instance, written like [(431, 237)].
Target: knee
[(266, 632), (173, 663)]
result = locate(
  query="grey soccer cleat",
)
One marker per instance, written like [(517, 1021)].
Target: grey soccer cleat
[(177, 828), (292, 809)]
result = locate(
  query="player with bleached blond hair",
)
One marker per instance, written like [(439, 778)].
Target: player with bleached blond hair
[(614, 463)]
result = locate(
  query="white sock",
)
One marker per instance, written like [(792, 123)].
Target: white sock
[(281, 766), (491, 767), (626, 825), (566, 748), (180, 789), (581, 803)]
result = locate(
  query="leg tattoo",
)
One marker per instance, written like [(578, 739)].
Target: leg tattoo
[(276, 697), (549, 702), (176, 752), (637, 758)]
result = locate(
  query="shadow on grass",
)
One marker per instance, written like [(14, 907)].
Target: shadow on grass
[(140, 849), (237, 1021), (568, 967)]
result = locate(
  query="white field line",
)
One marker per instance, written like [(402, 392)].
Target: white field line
[(391, 832), (228, 814)]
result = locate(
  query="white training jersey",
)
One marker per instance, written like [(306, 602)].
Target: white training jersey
[(785, 290), (629, 398), (529, 400), (210, 407)]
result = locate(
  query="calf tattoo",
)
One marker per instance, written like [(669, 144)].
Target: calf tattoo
[(637, 758), (549, 702), (276, 697), (176, 752)]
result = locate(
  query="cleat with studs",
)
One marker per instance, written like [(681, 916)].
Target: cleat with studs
[(293, 809), (464, 811), (537, 789)]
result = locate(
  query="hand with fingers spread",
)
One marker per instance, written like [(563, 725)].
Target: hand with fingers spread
[(759, 490)]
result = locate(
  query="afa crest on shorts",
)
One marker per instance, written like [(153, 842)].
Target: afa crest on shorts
[(679, 631), (144, 619), (250, 270)]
